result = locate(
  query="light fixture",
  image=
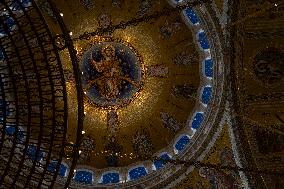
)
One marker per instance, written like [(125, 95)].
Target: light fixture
[(83, 132), (61, 14)]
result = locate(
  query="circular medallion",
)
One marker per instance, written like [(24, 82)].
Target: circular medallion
[(112, 74)]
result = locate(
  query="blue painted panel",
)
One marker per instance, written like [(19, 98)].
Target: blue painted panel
[(84, 177), (110, 178), (206, 95), (16, 5), (203, 41), (10, 131), (182, 142), (137, 173), (2, 57), (192, 16), (197, 120), (26, 3), (9, 23), (159, 163), (208, 64), (62, 169), (31, 153)]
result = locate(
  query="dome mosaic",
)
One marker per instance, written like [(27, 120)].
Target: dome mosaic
[(135, 95)]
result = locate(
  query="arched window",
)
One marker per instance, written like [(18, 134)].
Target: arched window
[(158, 164), (203, 41), (197, 120), (62, 169), (181, 143), (206, 94), (136, 173), (208, 67), (84, 176), (192, 16), (110, 177)]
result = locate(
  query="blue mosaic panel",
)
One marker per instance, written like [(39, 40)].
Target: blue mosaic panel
[(203, 41), (2, 57), (31, 153), (110, 178), (197, 120), (16, 5), (192, 16), (206, 95), (4, 104), (159, 163), (84, 177), (9, 22), (137, 173), (62, 169), (10, 131), (208, 67), (181, 143), (26, 3)]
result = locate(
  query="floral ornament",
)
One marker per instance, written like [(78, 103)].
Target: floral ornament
[(142, 144), (185, 58), (169, 122)]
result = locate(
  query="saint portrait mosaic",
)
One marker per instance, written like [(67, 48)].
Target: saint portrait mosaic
[(112, 73)]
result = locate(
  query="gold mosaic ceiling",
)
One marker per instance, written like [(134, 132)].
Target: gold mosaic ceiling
[(160, 110)]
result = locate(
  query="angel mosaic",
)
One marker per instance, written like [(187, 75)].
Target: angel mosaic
[(185, 58), (87, 147), (142, 144), (170, 122), (168, 29)]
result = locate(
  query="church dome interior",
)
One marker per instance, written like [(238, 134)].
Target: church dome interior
[(141, 94)]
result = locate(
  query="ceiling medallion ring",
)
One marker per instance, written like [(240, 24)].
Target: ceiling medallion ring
[(112, 72)]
